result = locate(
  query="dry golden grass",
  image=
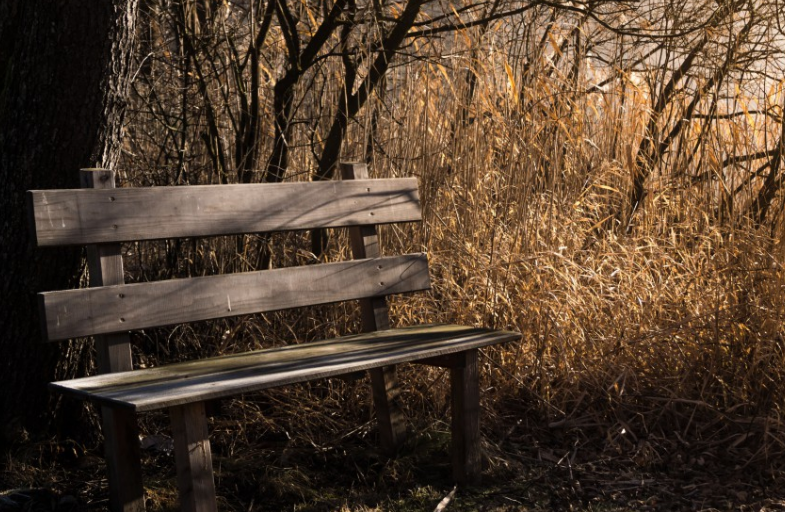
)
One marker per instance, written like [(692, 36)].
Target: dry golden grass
[(653, 342), (657, 328)]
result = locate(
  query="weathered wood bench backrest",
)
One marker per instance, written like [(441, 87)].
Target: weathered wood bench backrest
[(105, 217)]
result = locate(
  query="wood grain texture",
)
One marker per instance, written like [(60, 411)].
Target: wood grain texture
[(193, 457), (465, 386), (205, 379), (84, 312), (74, 217)]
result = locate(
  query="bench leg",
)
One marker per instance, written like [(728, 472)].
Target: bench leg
[(392, 426), (193, 458), (464, 379), (123, 461)]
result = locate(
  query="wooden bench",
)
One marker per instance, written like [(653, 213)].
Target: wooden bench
[(102, 217)]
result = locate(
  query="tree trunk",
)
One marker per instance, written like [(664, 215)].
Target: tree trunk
[(64, 74)]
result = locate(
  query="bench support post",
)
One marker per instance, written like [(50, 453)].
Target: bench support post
[(389, 417), (193, 457), (466, 456), (121, 440)]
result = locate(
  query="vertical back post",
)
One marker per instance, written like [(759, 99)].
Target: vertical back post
[(375, 317), (121, 433), (105, 263)]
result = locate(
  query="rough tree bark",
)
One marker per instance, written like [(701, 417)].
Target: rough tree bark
[(64, 73)]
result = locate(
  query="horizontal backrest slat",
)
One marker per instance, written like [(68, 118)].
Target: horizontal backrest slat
[(91, 216), (85, 312)]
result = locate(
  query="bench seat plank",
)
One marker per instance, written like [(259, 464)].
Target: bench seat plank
[(95, 216), (107, 309), (193, 381)]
